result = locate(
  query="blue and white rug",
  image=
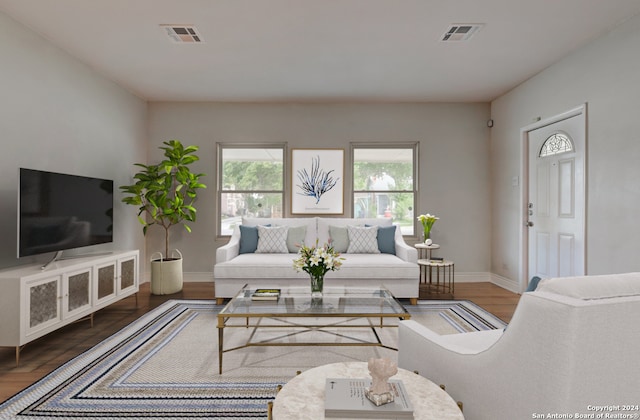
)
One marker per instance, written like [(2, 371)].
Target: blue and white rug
[(454, 316), (165, 365)]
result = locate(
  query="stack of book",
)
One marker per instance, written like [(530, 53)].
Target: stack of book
[(266, 294), (346, 398)]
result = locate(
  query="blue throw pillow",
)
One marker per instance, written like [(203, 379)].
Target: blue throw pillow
[(386, 239), (248, 239), (533, 284)]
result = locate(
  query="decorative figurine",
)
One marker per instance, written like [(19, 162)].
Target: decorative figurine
[(380, 370)]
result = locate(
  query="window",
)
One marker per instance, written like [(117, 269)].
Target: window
[(383, 183), (250, 183), (556, 144)]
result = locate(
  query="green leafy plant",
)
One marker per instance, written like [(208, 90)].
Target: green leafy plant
[(165, 193)]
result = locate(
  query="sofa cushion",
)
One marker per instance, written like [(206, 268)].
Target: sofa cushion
[(363, 240), (272, 240), (325, 222), (593, 287), (533, 284), (248, 239), (309, 222), (339, 238), (386, 239), (371, 267), (295, 237)]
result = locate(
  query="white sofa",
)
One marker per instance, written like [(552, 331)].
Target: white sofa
[(399, 273), (572, 345)]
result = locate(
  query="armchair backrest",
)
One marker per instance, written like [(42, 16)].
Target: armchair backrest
[(573, 343)]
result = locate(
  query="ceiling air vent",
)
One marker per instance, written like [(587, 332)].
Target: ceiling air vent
[(181, 34), (461, 32)]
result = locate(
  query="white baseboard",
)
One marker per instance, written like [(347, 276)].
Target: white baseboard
[(471, 277), (505, 283)]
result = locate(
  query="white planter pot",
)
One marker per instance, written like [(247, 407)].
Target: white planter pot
[(166, 274)]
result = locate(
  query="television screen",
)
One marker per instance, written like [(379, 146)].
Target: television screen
[(60, 211)]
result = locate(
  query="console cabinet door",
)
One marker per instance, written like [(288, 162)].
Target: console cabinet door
[(76, 293), (105, 282), (43, 307), (127, 274)]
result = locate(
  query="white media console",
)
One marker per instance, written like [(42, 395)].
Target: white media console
[(34, 302)]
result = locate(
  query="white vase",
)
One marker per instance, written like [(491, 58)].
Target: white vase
[(428, 241)]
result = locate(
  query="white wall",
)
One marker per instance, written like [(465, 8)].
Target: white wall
[(59, 115), (454, 171), (606, 75)]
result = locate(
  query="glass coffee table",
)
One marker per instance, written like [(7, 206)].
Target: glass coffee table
[(362, 307)]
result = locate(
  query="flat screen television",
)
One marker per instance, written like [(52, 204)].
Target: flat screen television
[(60, 211)]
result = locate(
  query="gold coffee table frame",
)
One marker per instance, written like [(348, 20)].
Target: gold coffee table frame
[(295, 304)]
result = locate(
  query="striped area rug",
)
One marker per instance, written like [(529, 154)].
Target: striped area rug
[(165, 365), (454, 316)]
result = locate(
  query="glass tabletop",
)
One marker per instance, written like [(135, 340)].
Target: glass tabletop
[(336, 301)]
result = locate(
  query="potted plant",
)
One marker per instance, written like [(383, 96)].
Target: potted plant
[(164, 194)]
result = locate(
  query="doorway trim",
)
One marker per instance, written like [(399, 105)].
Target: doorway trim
[(524, 190)]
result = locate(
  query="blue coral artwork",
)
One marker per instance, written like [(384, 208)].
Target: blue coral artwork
[(317, 181)]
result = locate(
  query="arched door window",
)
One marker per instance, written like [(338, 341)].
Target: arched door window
[(555, 144)]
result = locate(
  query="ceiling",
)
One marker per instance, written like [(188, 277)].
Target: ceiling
[(320, 50)]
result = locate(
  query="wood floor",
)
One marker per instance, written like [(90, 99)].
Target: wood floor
[(42, 356)]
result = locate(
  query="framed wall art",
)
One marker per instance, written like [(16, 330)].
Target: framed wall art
[(317, 181)]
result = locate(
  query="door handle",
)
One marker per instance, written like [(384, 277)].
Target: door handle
[(528, 224)]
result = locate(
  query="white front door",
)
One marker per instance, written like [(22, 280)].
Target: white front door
[(556, 198)]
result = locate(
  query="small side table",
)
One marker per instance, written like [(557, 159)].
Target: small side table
[(424, 251), (444, 280)]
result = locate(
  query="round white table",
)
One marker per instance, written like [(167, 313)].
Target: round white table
[(302, 398), (428, 248)]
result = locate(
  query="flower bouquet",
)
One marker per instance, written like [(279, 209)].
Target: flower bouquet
[(317, 261), (427, 221)]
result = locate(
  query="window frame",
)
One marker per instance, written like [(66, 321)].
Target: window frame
[(219, 185), (414, 146)]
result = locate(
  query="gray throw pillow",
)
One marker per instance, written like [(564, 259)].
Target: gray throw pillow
[(339, 238), (295, 237)]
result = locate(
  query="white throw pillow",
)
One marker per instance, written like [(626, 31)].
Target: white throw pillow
[(272, 240), (363, 240)]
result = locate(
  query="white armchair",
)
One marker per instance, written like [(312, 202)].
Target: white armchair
[(572, 345)]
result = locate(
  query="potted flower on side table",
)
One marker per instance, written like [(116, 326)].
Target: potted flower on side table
[(427, 221)]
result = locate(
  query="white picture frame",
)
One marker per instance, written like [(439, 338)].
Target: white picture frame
[(317, 181)]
